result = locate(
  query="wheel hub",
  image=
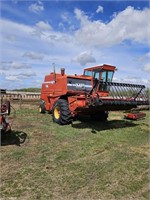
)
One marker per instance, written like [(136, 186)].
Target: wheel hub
[(57, 112)]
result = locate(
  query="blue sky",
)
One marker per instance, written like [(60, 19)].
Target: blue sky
[(74, 35)]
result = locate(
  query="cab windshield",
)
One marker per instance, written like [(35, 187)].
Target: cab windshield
[(105, 76)]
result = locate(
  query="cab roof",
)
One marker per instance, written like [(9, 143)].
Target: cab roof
[(104, 66)]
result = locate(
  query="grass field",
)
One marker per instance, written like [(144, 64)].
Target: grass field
[(85, 161)]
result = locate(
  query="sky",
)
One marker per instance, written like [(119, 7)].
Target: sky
[(73, 35)]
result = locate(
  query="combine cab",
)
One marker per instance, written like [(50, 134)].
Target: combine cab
[(92, 93)]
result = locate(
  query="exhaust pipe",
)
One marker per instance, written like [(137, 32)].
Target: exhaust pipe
[(62, 71)]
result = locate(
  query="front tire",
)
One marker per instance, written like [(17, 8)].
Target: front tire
[(61, 113), (42, 108)]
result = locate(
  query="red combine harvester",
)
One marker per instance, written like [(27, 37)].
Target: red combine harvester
[(92, 93), (5, 110)]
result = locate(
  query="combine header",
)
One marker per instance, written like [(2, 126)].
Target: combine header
[(92, 93)]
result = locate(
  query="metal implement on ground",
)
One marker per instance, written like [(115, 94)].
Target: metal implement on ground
[(4, 111), (136, 115), (92, 93)]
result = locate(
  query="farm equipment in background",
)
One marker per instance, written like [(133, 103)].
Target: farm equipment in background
[(5, 110), (92, 93), (135, 115)]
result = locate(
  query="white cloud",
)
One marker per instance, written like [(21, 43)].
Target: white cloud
[(64, 16), (144, 61), (130, 24), (41, 29), (133, 80), (33, 55), (37, 33), (71, 28), (84, 58), (27, 42), (61, 47), (4, 66), (114, 15), (61, 25), (99, 9), (17, 65), (13, 65), (80, 15), (27, 74), (147, 67), (145, 57), (12, 78), (11, 38), (19, 76), (36, 7), (44, 26), (15, 28)]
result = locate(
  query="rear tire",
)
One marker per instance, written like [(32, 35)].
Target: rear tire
[(61, 113)]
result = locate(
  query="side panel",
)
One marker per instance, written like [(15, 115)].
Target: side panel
[(76, 102), (76, 84), (52, 89)]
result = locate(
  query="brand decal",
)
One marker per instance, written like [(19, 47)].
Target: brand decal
[(80, 85)]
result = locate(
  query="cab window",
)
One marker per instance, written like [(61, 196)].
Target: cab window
[(103, 76), (88, 73), (107, 76), (96, 75)]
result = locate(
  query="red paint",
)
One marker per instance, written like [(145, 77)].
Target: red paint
[(135, 116), (55, 87)]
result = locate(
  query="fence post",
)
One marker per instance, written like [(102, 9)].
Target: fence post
[(20, 100)]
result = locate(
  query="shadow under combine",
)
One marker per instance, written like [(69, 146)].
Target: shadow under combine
[(86, 122), (13, 138)]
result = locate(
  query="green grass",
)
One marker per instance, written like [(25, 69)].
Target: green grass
[(85, 160)]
